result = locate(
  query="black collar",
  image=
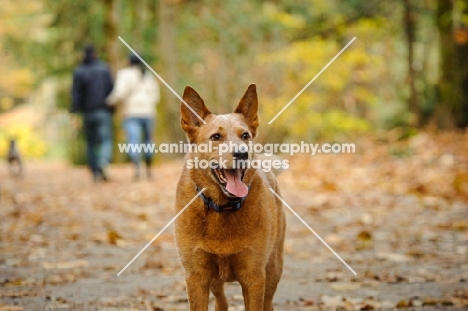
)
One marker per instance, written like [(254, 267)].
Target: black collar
[(232, 205)]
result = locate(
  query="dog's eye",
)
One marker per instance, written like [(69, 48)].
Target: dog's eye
[(245, 136), (215, 137)]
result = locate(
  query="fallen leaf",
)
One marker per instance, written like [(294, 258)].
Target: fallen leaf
[(428, 301), (113, 236), (402, 304)]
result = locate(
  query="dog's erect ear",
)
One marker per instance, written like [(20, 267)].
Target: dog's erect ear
[(248, 107), (189, 120)]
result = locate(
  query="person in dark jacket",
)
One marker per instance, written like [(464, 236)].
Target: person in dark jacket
[(92, 83)]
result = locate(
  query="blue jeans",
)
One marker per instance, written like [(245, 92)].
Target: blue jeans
[(135, 128), (98, 131)]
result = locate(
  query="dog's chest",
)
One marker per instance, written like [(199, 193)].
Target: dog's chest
[(222, 246), (224, 234)]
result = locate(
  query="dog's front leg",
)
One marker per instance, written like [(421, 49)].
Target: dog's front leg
[(250, 272), (253, 290), (198, 291), (200, 270)]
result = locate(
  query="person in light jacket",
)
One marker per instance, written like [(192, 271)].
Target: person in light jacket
[(138, 92)]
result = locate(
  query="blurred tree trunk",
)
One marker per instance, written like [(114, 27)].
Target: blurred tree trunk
[(450, 99), (138, 14), (167, 48), (461, 41), (111, 14), (223, 52), (110, 33), (410, 32)]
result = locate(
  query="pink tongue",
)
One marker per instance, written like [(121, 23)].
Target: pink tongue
[(234, 184)]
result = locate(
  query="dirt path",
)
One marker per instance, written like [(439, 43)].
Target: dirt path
[(397, 213)]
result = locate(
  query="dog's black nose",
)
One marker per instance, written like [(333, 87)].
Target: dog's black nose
[(241, 155)]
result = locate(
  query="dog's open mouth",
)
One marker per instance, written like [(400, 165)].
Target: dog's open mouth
[(232, 181)]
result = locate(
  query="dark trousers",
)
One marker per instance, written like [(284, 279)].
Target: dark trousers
[(98, 131)]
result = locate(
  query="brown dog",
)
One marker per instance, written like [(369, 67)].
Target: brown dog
[(233, 231)]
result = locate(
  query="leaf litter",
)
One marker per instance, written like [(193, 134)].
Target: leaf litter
[(397, 218)]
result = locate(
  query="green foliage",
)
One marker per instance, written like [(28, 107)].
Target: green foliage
[(338, 101), (221, 47), (30, 144)]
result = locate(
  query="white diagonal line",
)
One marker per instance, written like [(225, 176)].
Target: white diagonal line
[(157, 235), (312, 230), (310, 82), (162, 80)]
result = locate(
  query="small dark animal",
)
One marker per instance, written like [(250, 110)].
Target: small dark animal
[(15, 164)]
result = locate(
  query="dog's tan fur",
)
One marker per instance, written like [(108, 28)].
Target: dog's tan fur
[(244, 245)]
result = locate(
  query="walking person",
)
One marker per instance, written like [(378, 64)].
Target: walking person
[(92, 83), (138, 92)]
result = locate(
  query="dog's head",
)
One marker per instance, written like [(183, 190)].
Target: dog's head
[(228, 135)]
